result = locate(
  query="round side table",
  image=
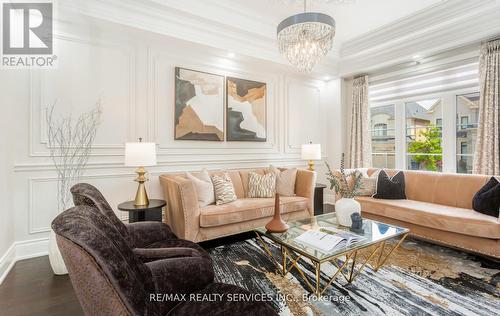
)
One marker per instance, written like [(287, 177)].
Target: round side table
[(150, 212)]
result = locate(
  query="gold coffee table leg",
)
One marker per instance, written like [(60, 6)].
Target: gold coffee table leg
[(381, 261), (318, 278)]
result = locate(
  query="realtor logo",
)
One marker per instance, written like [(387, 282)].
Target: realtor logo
[(27, 35)]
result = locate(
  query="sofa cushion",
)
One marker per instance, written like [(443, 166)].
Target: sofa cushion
[(248, 209), (442, 217)]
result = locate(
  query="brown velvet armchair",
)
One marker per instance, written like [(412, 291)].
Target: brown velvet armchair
[(149, 240), (110, 279)]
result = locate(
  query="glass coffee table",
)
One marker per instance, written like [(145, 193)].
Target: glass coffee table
[(344, 256)]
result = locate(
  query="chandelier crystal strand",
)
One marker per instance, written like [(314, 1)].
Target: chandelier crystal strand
[(305, 38)]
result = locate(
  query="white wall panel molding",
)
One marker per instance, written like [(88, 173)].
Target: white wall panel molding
[(41, 211), (303, 115), (171, 165), (41, 99)]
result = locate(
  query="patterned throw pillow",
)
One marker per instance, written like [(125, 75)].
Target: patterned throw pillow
[(261, 186), (368, 184), (224, 189)]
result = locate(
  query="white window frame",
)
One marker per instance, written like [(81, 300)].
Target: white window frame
[(449, 125)]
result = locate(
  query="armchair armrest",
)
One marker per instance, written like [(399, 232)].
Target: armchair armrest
[(180, 276), (304, 186), (143, 234), (183, 211), (152, 254)]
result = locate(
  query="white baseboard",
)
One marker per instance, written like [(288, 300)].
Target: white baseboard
[(7, 261), (20, 250), (32, 248)]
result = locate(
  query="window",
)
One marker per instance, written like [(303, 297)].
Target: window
[(439, 122), (380, 129), (423, 136), (464, 121), (466, 131), (463, 148), (383, 136)]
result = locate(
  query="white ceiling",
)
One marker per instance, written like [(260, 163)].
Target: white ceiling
[(353, 17)]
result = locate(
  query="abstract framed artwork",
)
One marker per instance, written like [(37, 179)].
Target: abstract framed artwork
[(246, 113), (199, 105)]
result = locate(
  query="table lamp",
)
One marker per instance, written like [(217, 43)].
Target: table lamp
[(311, 152), (140, 155)]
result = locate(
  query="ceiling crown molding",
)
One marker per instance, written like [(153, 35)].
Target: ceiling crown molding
[(194, 21), (444, 26), (216, 23)]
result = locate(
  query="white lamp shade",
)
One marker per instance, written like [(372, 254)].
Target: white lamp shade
[(140, 154), (311, 152)]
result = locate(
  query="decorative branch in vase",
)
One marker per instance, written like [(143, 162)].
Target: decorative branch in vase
[(347, 185), (70, 144)]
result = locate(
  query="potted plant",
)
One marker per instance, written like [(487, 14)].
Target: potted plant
[(347, 186)]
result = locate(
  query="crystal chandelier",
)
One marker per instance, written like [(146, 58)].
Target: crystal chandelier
[(305, 38)]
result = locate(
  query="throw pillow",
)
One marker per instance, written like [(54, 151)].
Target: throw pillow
[(261, 186), (487, 199), (368, 184), (390, 188), (204, 187), (285, 180), (224, 189)]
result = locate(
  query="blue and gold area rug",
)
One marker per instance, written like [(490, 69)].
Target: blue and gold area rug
[(418, 279)]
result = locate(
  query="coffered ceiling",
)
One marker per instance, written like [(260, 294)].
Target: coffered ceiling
[(370, 33)]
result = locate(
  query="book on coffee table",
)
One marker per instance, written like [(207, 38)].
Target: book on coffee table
[(327, 239)]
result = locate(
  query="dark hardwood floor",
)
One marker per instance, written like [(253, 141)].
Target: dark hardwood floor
[(31, 288)]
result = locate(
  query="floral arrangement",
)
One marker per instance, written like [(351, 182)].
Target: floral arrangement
[(340, 182)]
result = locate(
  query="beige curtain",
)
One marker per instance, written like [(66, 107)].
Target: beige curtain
[(487, 154), (360, 148)]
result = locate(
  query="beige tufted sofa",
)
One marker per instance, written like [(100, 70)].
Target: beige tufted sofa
[(189, 221), (439, 208)]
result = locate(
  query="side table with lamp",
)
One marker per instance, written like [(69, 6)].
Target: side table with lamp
[(140, 155), (312, 152)]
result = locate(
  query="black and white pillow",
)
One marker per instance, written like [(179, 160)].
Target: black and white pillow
[(224, 189), (390, 188), (487, 199)]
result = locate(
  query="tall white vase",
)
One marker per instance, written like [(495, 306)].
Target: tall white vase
[(55, 258), (344, 208)]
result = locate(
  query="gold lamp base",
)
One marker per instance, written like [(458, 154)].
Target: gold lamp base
[(141, 197), (311, 165)]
